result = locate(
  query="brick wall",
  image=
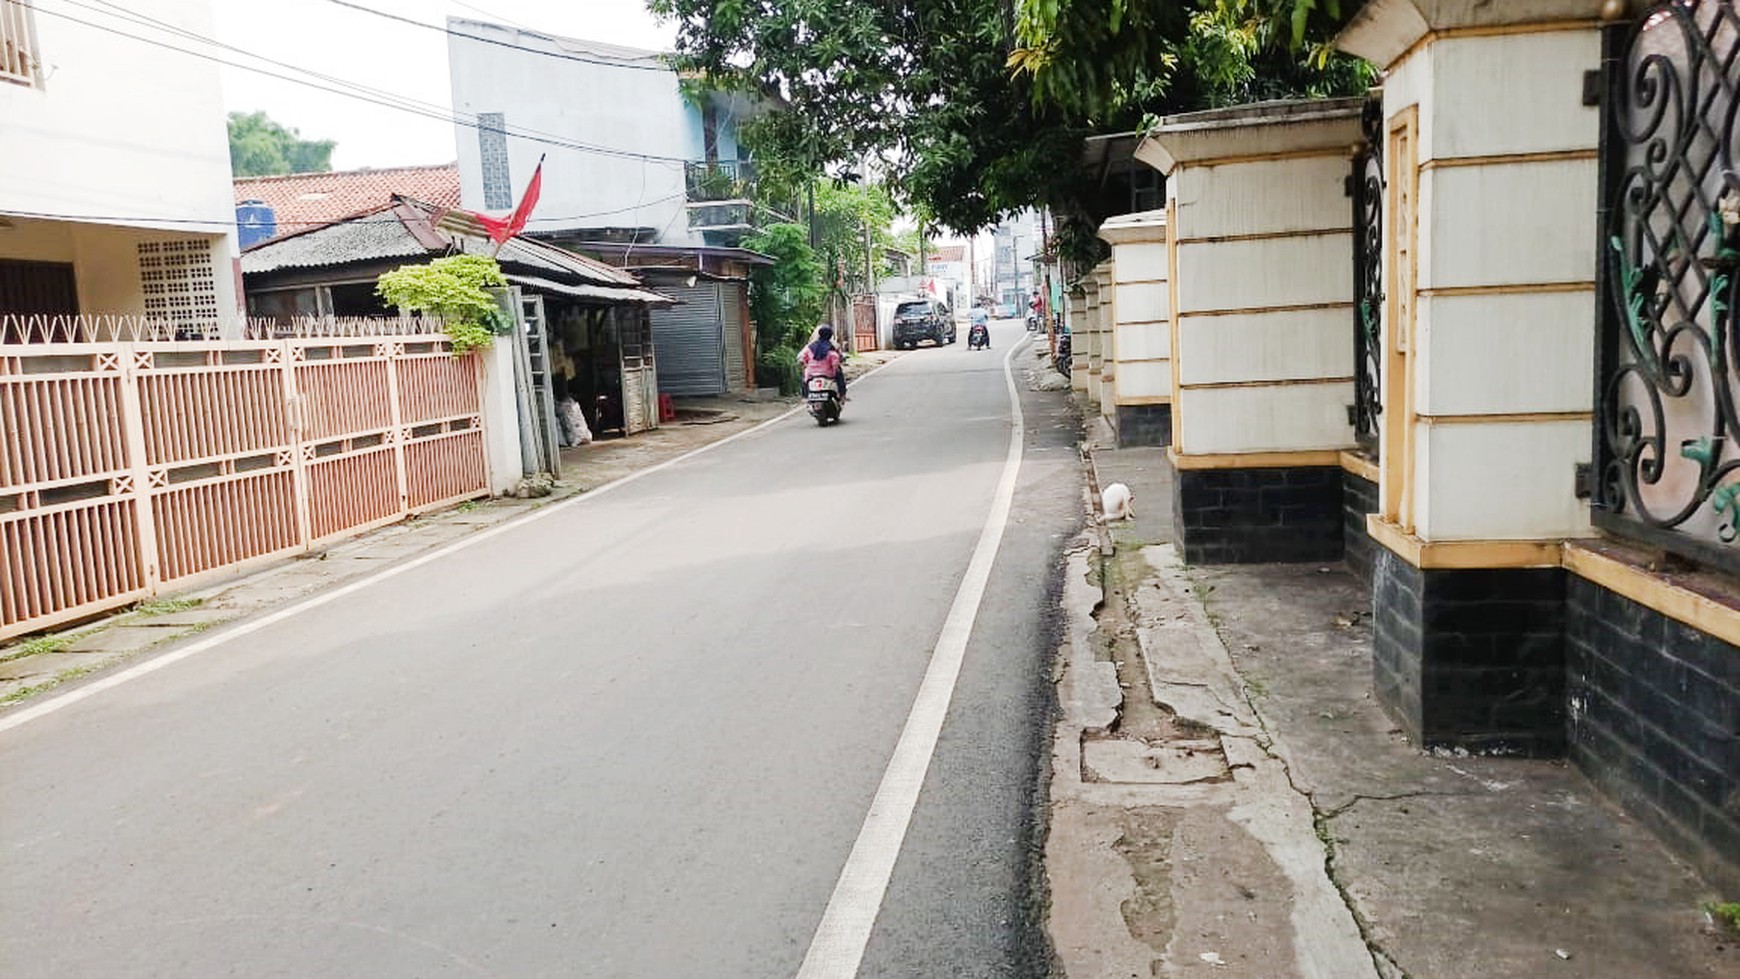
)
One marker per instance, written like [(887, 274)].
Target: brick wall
[(1359, 496), (1395, 646), (1255, 516), (1144, 425), (1471, 659), (1654, 720)]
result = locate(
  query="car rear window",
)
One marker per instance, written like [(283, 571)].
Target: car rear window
[(912, 309)]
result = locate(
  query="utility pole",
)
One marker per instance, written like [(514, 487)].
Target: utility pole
[(814, 240), (972, 272)]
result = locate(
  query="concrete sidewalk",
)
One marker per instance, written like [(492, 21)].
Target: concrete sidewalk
[(35, 665), (1228, 800)]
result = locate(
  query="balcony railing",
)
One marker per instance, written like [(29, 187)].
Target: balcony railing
[(722, 180)]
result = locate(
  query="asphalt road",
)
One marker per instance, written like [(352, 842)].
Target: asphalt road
[(635, 738)]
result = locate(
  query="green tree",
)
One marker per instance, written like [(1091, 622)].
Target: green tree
[(1100, 56), (787, 298), (260, 147), (966, 121), (853, 223)]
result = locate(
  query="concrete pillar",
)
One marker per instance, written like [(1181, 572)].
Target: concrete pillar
[(1104, 366), (1260, 254), (501, 417), (1081, 333), (1141, 340), (1490, 163)]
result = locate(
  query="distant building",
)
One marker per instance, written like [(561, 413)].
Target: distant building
[(629, 157), (635, 173), (1015, 241)]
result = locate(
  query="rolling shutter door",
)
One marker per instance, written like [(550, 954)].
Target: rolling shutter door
[(733, 309), (691, 358)]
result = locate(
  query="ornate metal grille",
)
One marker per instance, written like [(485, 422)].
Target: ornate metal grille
[(1667, 462), (1368, 277)]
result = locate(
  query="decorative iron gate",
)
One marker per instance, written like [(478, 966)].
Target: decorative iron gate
[(1667, 441), (1368, 276)]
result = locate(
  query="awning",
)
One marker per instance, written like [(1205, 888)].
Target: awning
[(609, 294)]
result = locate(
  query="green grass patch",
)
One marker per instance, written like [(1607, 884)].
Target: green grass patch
[(167, 606), (37, 645), (1726, 915), (64, 676)]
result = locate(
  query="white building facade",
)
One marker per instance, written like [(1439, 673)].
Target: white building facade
[(624, 149), (115, 182)]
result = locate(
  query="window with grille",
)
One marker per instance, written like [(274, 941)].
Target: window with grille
[(179, 283), (18, 60), (498, 190)]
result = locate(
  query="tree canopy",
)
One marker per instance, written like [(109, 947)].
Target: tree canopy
[(973, 109), (260, 147)]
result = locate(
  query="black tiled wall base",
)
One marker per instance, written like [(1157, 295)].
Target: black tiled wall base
[(1255, 516), (1144, 425), (1655, 722), (1359, 496), (1471, 659)]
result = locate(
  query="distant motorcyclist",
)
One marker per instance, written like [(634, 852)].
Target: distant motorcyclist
[(979, 333), (822, 359)]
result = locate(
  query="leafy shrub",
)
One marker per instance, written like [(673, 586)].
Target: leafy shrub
[(455, 290), (778, 367)]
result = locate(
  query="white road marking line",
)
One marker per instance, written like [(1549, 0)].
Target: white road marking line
[(837, 949), (223, 636)]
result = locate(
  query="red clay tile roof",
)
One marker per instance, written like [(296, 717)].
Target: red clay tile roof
[(301, 201)]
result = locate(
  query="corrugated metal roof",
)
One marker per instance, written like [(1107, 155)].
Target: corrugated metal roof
[(416, 229), (519, 250), (367, 238), (604, 293)]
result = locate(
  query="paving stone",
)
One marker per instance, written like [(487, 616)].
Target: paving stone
[(186, 617), (124, 639), (41, 665)]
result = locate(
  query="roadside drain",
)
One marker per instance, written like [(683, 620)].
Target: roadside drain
[(1147, 744), (1128, 762)]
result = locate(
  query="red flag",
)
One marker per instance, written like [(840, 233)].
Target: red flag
[(501, 229)]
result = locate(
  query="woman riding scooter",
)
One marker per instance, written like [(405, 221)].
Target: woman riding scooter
[(822, 359)]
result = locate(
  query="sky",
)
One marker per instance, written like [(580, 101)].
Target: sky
[(397, 58)]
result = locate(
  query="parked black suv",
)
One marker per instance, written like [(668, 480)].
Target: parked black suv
[(922, 319)]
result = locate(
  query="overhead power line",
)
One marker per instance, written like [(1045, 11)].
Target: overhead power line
[(136, 219), (360, 92), (560, 55), (145, 20)]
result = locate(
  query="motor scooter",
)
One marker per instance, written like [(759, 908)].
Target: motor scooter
[(1032, 322), (979, 337), (1063, 359), (822, 395)]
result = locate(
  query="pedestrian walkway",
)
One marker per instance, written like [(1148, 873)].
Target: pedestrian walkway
[(1229, 800)]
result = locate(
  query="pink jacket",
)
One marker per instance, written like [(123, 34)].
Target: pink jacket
[(826, 367)]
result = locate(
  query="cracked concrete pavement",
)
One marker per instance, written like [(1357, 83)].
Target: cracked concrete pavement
[(1228, 800)]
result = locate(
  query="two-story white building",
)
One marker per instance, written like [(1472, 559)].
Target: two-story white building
[(637, 172), (115, 175)]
